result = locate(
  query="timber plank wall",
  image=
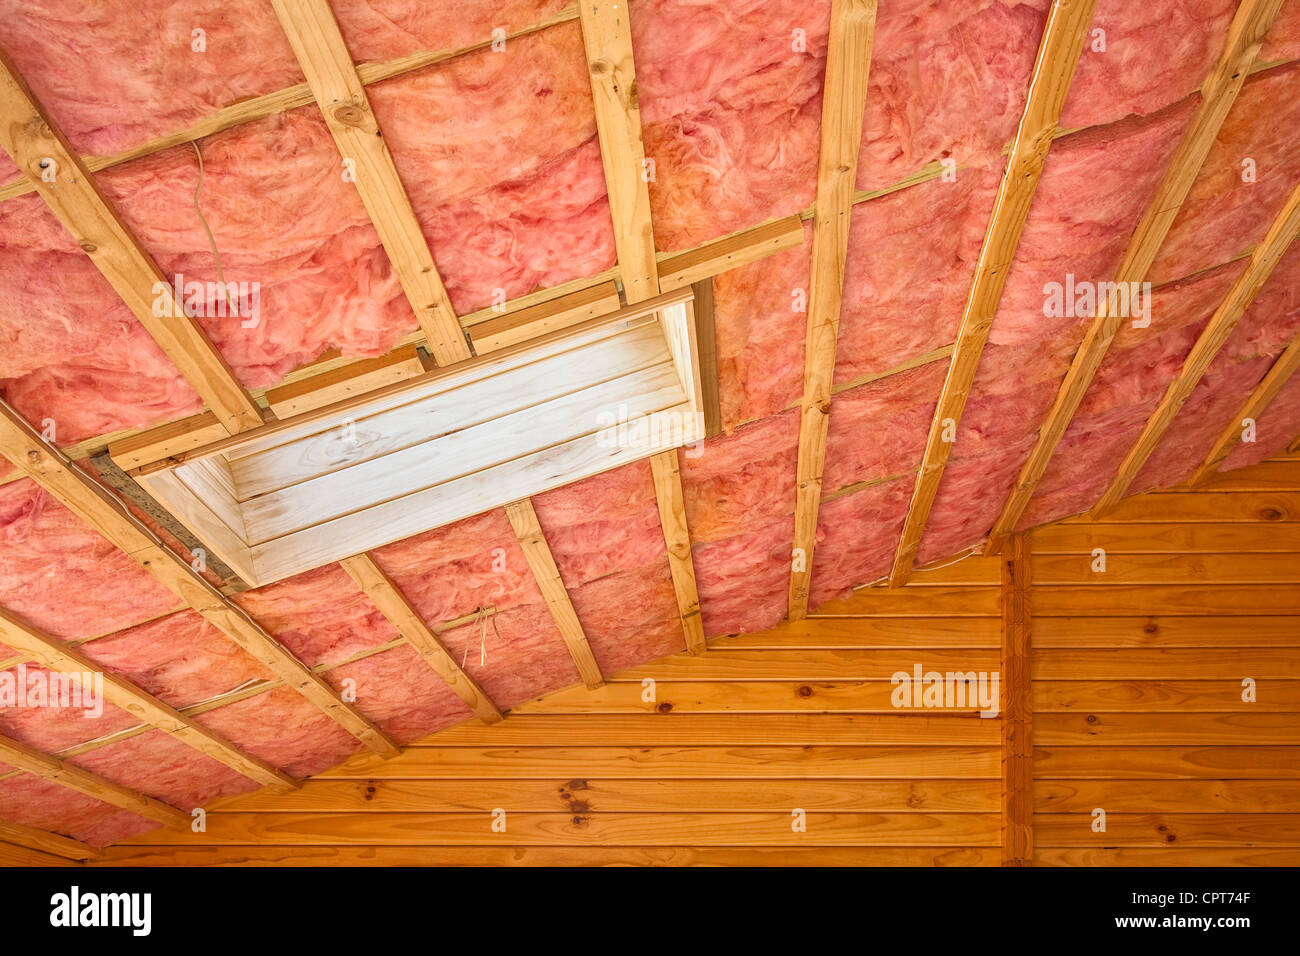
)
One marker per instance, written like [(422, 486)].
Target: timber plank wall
[(1122, 692)]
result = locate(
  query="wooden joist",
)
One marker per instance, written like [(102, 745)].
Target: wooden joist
[(1058, 55), (58, 656), (677, 537), (58, 771), (607, 37), (42, 152), (844, 99), (318, 44), (523, 518), (392, 603), (707, 347), (1219, 91), (1259, 399), (45, 842), (1262, 262), (95, 505), (1016, 708)]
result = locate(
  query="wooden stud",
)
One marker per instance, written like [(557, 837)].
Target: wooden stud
[(392, 603), (42, 152), (318, 44), (607, 36), (1219, 91), (848, 63), (95, 505), (677, 537), (1058, 55), (523, 518), (1262, 262), (56, 655), (1263, 394), (45, 842), (521, 325), (38, 764), (1015, 710)]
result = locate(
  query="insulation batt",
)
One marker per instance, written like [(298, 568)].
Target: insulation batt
[(46, 805), (53, 729), (72, 351), (1268, 325), (856, 535), (602, 525), (743, 480), (321, 616), (911, 257), (946, 82), (115, 73), (400, 693), (503, 167), (878, 430), (1128, 385), (730, 111), (61, 576), (760, 323), (1092, 192), (1275, 428), (1155, 53), (1227, 210), (744, 580)]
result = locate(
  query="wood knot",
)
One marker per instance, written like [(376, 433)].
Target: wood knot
[(350, 114), (1151, 627), (599, 67), (87, 246), (1271, 514), (1091, 718), (664, 708), (804, 691)]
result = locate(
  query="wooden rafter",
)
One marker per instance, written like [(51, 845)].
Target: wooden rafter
[(1245, 36), (58, 656), (38, 764), (42, 152), (1058, 55), (392, 603), (45, 842), (844, 100), (523, 518), (318, 44), (1262, 262), (91, 502), (607, 36), (1286, 365), (677, 537)]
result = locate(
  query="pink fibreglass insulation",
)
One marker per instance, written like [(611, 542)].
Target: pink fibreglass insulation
[(499, 154)]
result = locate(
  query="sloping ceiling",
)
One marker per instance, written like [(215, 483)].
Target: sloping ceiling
[(497, 148)]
